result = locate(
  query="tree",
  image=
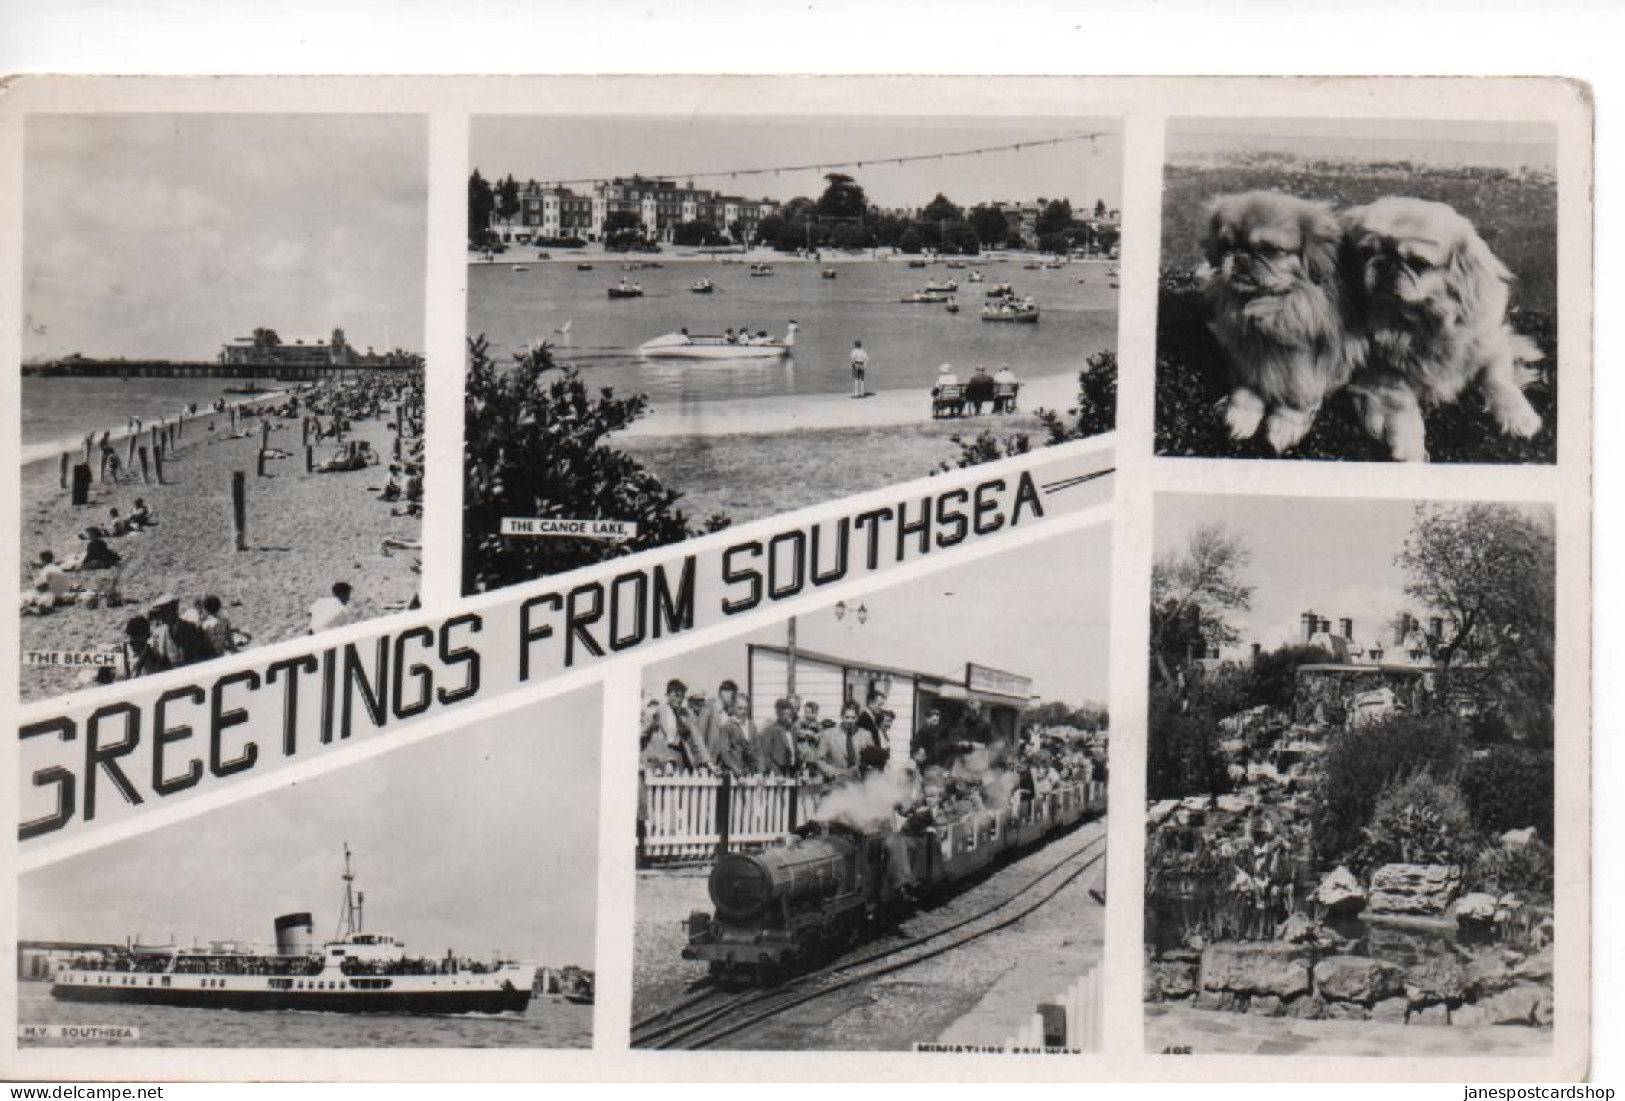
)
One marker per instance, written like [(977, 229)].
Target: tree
[(843, 198), (1054, 218), (1489, 570), (535, 445), (507, 198), (1191, 592), (768, 228), (692, 234), (911, 242), (990, 225), (481, 204), (941, 209)]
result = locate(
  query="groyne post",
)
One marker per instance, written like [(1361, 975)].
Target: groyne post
[(145, 477), (239, 509), (259, 464), (310, 458), (67, 461), (158, 462), (81, 484)]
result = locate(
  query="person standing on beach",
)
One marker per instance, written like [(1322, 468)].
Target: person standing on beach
[(860, 363)]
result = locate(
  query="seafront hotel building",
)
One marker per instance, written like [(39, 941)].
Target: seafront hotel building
[(660, 206)]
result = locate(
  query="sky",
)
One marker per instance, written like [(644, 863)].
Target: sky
[(568, 147), (167, 235), (1333, 556), (1456, 142), (479, 839), (990, 612)]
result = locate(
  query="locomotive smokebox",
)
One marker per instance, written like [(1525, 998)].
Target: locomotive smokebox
[(743, 886), (295, 935)]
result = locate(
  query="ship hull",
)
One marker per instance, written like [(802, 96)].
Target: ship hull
[(384, 1002)]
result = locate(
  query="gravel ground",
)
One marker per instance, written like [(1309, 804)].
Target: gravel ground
[(973, 992)]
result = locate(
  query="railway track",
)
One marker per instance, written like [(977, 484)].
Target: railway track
[(713, 1013)]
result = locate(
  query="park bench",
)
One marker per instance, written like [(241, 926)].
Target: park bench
[(948, 401)]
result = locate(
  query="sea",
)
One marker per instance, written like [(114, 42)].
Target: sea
[(549, 1023), (57, 411), (906, 342)]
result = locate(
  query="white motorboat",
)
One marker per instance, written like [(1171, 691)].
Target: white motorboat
[(685, 345)]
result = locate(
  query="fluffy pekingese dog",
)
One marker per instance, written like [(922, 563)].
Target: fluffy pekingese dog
[(1280, 311), (1434, 300)]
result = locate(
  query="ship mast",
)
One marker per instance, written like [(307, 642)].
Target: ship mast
[(350, 917)]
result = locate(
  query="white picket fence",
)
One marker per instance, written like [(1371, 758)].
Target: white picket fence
[(681, 820), (1071, 1019)]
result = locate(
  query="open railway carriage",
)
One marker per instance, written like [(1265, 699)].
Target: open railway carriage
[(830, 885)]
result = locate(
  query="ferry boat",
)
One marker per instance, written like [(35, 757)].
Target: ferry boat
[(685, 345), (356, 972)]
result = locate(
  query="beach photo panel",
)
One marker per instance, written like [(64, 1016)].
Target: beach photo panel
[(222, 408)]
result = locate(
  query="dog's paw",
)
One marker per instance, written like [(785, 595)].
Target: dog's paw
[(1285, 427), (1518, 419), (1243, 413)]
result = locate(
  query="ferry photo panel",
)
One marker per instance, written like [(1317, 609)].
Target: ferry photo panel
[(443, 894)]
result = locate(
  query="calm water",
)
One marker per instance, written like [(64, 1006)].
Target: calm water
[(548, 1024), (906, 343), (57, 412)]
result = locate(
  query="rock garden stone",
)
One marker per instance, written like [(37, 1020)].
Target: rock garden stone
[(1515, 1005), (1265, 1005), (1518, 839), (1340, 893), (1174, 981), (1390, 1009), (1440, 979), (1307, 1008), (1354, 979), (1262, 968), (1346, 1011), (1476, 910), (1469, 1016), (1413, 888)]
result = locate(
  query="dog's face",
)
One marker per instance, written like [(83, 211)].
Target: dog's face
[(1420, 260), (1264, 243)]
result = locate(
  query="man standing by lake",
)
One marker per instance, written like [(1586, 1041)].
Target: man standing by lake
[(860, 362)]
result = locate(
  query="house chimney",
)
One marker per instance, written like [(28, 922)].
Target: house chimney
[(1310, 622), (1325, 626), (1347, 627), (1258, 651)]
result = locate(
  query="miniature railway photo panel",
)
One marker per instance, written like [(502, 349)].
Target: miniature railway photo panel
[(880, 824)]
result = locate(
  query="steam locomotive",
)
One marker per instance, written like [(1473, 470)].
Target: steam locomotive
[(832, 883)]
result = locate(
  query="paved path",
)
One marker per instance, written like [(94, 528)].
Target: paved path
[(787, 413), (1211, 1032)]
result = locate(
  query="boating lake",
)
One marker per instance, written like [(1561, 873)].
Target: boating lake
[(548, 1023), (906, 342)]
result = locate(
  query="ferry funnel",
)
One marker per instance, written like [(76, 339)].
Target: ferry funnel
[(295, 935)]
